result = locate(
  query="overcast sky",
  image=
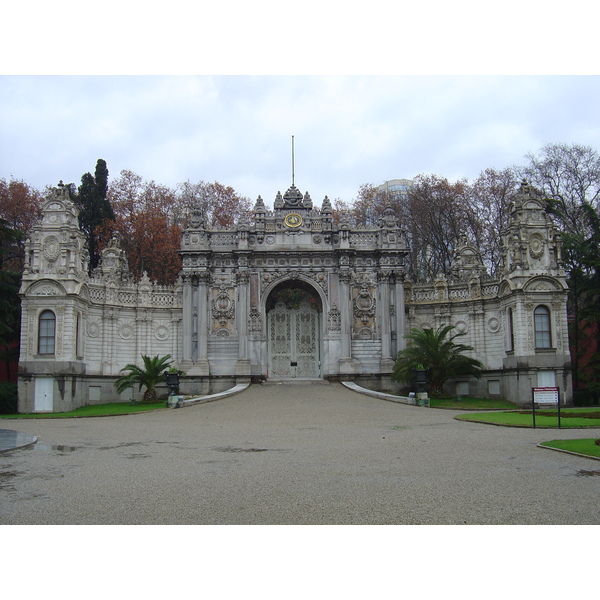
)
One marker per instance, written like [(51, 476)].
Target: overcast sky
[(237, 129)]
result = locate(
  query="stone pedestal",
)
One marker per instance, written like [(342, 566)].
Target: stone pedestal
[(386, 365), (348, 366), (242, 368)]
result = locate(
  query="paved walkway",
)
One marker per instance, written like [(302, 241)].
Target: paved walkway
[(293, 454)]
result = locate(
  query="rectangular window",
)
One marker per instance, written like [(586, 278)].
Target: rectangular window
[(494, 387), (462, 388), (47, 328), (542, 327), (546, 378)]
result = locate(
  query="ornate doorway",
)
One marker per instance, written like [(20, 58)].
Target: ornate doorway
[(294, 342)]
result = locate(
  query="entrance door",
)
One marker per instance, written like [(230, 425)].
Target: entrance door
[(44, 394), (294, 342)]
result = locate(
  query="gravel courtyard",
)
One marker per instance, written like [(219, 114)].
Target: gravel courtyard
[(313, 453)]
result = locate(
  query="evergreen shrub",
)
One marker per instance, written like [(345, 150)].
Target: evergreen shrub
[(8, 398)]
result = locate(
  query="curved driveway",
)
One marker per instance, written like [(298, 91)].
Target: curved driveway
[(293, 454)]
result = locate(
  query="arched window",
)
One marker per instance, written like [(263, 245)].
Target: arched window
[(541, 316), (46, 332)]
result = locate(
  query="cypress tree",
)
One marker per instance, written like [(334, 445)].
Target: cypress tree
[(94, 207)]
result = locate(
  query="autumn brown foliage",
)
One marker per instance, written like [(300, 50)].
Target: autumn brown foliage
[(20, 208), (146, 225)]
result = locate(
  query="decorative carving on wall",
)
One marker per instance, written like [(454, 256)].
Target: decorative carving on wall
[(51, 248), (46, 289), (255, 320), (162, 331), (493, 324), (364, 306), (536, 246), (223, 307), (126, 329), (93, 328), (334, 319), (462, 326)]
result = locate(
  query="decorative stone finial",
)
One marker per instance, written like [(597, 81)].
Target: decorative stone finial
[(293, 197)]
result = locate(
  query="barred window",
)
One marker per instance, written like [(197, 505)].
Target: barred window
[(46, 332), (542, 327)]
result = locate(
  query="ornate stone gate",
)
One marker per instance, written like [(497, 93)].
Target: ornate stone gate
[(356, 278)]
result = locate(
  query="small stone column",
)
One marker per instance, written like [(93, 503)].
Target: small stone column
[(187, 320), (386, 364), (399, 317), (202, 365), (346, 363), (242, 312)]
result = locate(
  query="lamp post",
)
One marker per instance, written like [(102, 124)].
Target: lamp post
[(173, 384), (420, 381)]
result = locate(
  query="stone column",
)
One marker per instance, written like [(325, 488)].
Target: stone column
[(347, 365), (203, 320), (242, 312), (386, 363), (399, 317), (186, 351)]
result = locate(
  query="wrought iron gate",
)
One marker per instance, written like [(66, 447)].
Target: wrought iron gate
[(294, 348)]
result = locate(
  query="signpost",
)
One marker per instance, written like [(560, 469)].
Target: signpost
[(545, 395)]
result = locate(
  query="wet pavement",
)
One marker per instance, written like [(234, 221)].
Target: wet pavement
[(293, 454), (10, 440)]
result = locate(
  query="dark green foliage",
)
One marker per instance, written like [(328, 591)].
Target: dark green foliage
[(8, 398), (10, 305), (584, 398), (581, 251), (147, 376), (94, 208), (438, 353)]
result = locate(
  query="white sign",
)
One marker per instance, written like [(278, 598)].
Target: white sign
[(545, 395)]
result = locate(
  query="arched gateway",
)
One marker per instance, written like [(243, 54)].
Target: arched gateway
[(294, 332)]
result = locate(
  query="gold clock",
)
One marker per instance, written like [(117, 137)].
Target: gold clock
[(293, 220)]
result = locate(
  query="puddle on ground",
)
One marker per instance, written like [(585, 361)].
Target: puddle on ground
[(234, 449), (6, 478), (50, 448), (121, 445), (588, 473)]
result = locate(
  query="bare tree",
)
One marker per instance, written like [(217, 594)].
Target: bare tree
[(570, 176), (491, 194), (218, 204)]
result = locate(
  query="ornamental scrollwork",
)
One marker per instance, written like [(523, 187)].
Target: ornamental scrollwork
[(364, 306), (223, 307)]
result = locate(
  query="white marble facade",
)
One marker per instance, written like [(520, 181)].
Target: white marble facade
[(223, 323)]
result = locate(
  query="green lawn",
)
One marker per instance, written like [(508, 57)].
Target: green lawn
[(469, 403), (585, 446), (96, 410), (569, 418)]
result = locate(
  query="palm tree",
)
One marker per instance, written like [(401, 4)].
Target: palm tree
[(148, 376), (439, 354)]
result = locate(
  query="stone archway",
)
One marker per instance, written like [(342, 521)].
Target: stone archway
[(294, 326)]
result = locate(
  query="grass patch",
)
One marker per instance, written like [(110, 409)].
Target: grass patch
[(469, 403), (569, 418), (585, 446), (96, 410)]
